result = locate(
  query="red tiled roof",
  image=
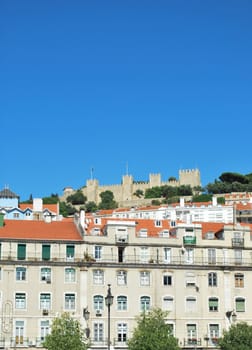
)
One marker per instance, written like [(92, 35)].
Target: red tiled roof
[(51, 207), (211, 227), (26, 229)]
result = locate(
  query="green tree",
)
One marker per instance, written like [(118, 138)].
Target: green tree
[(239, 336), (66, 334), (90, 207), (66, 209), (107, 200), (139, 193), (234, 177), (152, 333), (77, 198)]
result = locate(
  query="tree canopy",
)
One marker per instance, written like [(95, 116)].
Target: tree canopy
[(107, 200), (153, 333), (66, 334), (239, 336)]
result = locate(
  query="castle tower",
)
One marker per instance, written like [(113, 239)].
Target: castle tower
[(92, 190), (127, 185), (189, 177), (154, 180)]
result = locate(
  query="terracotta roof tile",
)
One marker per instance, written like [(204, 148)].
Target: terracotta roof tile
[(26, 229)]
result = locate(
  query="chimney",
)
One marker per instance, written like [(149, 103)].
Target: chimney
[(37, 204), (214, 201), (82, 218), (182, 202)]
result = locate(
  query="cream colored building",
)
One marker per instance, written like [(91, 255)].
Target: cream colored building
[(200, 273)]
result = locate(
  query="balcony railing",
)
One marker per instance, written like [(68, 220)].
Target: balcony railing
[(189, 240), (238, 242), (192, 342), (180, 259)]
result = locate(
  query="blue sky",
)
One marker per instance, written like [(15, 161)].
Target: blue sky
[(125, 85)]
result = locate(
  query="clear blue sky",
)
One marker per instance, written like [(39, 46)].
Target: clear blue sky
[(125, 85)]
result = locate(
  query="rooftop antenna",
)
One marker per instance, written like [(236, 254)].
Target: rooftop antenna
[(92, 173)]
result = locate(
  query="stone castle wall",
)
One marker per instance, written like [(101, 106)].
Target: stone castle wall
[(124, 193)]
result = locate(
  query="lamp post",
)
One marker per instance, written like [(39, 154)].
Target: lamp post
[(231, 315), (109, 301), (86, 315)]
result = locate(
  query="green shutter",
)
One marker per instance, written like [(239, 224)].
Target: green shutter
[(70, 251), (21, 253), (240, 305), (46, 252)]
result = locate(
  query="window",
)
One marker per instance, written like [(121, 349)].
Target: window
[(239, 280), (211, 256), (121, 303), (98, 277), (191, 330), (15, 215), (144, 278), (171, 328), (188, 256), (69, 301), (20, 301), (98, 302), (167, 280), (214, 333), (158, 223), (98, 332), (121, 278), (45, 274), (44, 329), (144, 254), (190, 279), (69, 274), (122, 332), (240, 304), (70, 252), (145, 303), (213, 304), (97, 252), (190, 304), (45, 301), (168, 303), (46, 252), (167, 255), (212, 279), (21, 273), (21, 251), (19, 332), (238, 256)]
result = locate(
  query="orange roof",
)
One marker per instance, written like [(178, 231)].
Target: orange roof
[(39, 230), (245, 206), (51, 207), (211, 227)]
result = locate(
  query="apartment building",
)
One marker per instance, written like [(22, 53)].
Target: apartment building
[(199, 272)]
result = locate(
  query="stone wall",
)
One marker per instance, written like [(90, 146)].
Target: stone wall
[(124, 193)]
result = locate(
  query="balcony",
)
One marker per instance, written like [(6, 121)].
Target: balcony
[(122, 239), (189, 240), (238, 242), (192, 342)]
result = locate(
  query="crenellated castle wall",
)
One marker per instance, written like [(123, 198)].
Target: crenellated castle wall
[(124, 192)]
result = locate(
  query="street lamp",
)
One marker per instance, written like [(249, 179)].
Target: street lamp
[(109, 301), (231, 315), (86, 315)]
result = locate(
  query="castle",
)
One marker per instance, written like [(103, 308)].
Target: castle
[(124, 194)]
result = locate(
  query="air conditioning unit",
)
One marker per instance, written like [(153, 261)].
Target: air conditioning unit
[(45, 312), (98, 313)]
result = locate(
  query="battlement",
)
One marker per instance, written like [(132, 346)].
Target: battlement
[(126, 190)]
